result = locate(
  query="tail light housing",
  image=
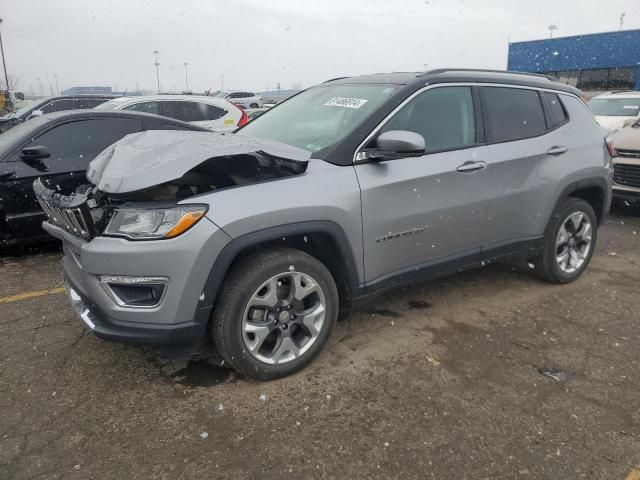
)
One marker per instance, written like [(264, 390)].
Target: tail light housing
[(244, 119)]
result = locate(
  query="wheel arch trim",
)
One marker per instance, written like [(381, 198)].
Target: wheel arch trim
[(238, 245)]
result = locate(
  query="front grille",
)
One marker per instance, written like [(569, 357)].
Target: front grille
[(626, 175), (628, 153), (69, 212)]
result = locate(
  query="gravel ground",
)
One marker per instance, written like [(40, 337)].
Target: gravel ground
[(436, 381)]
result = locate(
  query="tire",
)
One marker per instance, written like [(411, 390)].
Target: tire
[(548, 264), (253, 105), (244, 306)]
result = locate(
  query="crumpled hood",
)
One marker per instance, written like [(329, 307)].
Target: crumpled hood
[(145, 159), (627, 139), (613, 124)]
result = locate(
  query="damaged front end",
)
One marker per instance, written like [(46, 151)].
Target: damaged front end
[(138, 183)]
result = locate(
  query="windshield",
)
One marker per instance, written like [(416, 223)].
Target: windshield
[(615, 107), (26, 109), (111, 104), (321, 116)]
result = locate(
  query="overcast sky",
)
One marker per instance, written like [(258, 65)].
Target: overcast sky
[(257, 43)]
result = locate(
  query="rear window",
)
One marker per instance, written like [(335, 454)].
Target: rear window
[(555, 110), (512, 114)]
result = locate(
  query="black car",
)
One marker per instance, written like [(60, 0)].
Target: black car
[(58, 148), (51, 105)]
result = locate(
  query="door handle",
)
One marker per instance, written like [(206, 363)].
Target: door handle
[(471, 166), (557, 150)]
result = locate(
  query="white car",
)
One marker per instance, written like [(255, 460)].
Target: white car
[(616, 110), (243, 99), (209, 112)]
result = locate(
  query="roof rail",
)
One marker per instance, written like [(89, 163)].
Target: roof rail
[(481, 70), (333, 79)]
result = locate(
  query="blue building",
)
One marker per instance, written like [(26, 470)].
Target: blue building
[(601, 61), (88, 90)]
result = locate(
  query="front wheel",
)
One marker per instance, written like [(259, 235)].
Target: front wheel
[(569, 242), (275, 312)]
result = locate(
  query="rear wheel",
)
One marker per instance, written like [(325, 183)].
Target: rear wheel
[(253, 105), (275, 312), (569, 242)]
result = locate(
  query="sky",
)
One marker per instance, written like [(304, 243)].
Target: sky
[(256, 44)]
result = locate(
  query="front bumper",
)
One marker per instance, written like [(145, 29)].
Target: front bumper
[(177, 326), (181, 340)]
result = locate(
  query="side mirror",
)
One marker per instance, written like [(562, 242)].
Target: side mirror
[(35, 153), (35, 113), (395, 144)]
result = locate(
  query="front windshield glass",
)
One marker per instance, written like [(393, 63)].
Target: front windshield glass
[(321, 116), (615, 107), (26, 109)]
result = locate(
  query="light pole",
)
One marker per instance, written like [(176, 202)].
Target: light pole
[(157, 64), (55, 75), (186, 76), (4, 65), (622, 15), (551, 30)]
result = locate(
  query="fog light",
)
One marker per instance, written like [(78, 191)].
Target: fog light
[(141, 292)]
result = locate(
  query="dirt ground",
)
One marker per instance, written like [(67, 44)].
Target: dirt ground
[(437, 381)]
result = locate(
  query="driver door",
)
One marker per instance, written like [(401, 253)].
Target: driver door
[(428, 211)]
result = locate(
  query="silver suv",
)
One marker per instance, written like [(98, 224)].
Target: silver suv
[(253, 242)]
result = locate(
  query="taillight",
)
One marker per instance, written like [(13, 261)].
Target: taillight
[(609, 143), (244, 119)]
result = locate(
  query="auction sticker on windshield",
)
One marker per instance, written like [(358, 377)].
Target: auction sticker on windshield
[(346, 102)]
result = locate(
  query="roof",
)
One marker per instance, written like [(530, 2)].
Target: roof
[(445, 75), (90, 113)]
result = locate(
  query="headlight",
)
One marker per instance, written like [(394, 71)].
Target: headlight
[(154, 223)]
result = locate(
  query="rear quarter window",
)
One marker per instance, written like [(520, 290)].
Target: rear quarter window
[(555, 110), (512, 114)]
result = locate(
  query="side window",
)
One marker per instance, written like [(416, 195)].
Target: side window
[(86, 137), (174, 126), (443, 116), (512, 114), (211, 112), (555, 110), (146, 107), (185, 111), (58, 106), (233, 95), (85, 103)]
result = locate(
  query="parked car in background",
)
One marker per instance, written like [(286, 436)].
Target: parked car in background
[(346, 190), (208, 112), (244, 99), (11, 100), (616, 110), (58, 148), (626, 164), (51, 105)]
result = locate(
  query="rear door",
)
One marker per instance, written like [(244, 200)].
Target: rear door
[(526, 145), (422, 211), (72, 145), (186, 111)]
